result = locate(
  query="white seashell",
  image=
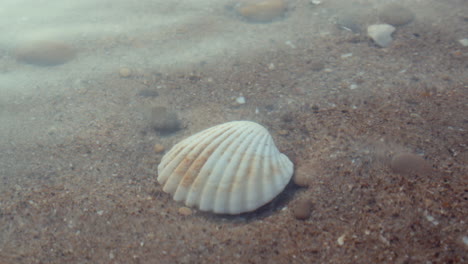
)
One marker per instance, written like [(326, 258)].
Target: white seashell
[(230, 168)]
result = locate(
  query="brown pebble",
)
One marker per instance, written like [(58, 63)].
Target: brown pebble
[(158, 148), (45, 53), (306, 173), (185, 211), (302, 209), (283, 132), (407, 163), (261, 10), (125, 72)]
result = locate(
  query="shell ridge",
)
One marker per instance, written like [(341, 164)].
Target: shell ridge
[(200, 155), (172, 167), (254, 193), (239, 181), (276, 173), (222, 169), (269, 173), (209, 175), (196, 189)]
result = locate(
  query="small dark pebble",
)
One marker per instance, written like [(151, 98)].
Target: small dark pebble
[(317, 66), (148, 93), (164, 120), (302, 209), (287, 117)]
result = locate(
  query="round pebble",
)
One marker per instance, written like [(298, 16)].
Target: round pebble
[(125, 72), (45, 53), (396, 15), (158, 148), (317, 66), (261, 10), (164, 120), (302, 209), (185, 211), (407, 163), (306, 173)]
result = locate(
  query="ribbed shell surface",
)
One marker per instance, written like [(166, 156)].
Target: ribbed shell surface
[(230, 168)]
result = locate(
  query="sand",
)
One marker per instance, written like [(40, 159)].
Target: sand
[(78, 162)]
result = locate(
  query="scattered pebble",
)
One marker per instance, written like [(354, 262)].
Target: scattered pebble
[(431, 219), (164, 120), (283, 132), (306, 172), (148, 93), (185, 211), (261, 10), (346, 55), (464, 42), (381, 34), (125, 72), (45, 53), (396, 15), (407, 163), (317, 66), (240, 100), (158, 148), (341, 240), (302, 209)]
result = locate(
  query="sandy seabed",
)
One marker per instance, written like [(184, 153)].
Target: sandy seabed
[(78, 166)]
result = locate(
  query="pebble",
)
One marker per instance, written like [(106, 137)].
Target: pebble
[(396, 15), (346, 55), (341, 240), (185, 211), (302, 209), (349, 22), (303, 175), (283, 132), (381, 34), (125, 72), (408, 163), (158, 148), (317, 66), (240, 100), (45, 53), (464, 42), (164, 120), (261, 10), (148, 93)]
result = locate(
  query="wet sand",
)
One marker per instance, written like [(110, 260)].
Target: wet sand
[(78, 166)]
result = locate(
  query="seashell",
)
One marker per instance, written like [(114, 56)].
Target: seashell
[(230, 168)]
